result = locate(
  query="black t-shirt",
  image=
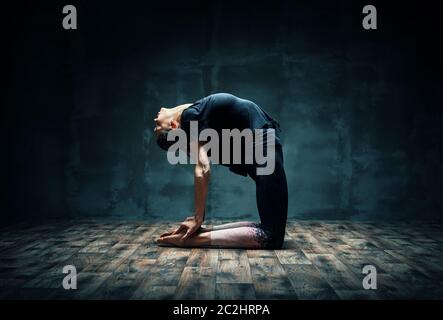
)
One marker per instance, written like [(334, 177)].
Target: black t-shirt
[(225, 111)]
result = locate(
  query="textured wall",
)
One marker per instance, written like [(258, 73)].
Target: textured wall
[(359, 111)]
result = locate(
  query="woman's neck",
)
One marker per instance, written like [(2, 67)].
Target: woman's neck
[(178, 110)]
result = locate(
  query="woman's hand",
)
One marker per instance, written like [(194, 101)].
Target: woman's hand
[(188, 227)]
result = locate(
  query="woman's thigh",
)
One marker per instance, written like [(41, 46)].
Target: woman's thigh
[(272, 201)]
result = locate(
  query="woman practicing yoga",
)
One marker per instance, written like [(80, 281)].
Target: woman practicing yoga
[(220, 112)]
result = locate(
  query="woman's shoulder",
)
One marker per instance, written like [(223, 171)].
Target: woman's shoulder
[(190, 113)]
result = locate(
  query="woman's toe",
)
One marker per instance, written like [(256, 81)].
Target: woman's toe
[(165, 234)]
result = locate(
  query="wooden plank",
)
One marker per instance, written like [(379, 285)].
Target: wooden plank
[(404, 273), (207, 258), (147, 236), (149, 292), (335, 272), (390, 288), (361, 244), (358, 294), (229, 291), (263, 266), (424, 265), (292, 257), (118, 286), (309, 243), (319, 261), (231, 253), (196, 283), (163, 275), (98, 246), (47, 280), (131, 266), (88, 283), (88, 262), (234, 268), (270, 279), (261, 253), (146, 252), (117, 255), (309, 283), (173, 256)]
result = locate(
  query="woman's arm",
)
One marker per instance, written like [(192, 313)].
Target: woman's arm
[(201, 183), (202, 175)]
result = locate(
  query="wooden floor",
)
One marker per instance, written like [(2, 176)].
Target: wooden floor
[(320, 260)]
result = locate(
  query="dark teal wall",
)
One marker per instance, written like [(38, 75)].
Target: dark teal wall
[(360, 110)]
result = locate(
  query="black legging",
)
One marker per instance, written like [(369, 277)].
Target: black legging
[(272, 203)]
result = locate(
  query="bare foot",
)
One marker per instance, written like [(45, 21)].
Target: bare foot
[(200, 230), (171, 239), (166, 234)]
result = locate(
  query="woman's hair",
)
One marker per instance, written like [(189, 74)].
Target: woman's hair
[(162, 139)]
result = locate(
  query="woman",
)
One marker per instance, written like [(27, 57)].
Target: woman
[(225, 111)]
